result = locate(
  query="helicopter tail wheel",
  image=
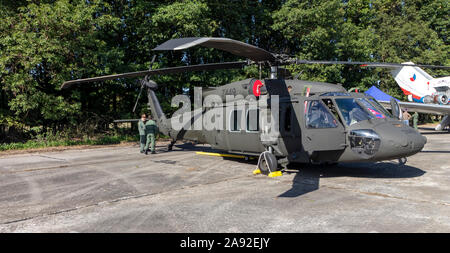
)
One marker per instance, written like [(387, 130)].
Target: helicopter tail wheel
[(402, 161), (267, 164)]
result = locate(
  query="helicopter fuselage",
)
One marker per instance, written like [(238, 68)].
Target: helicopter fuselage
[(317, 123)]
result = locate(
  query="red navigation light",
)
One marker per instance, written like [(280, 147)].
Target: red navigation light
[(257, 88)]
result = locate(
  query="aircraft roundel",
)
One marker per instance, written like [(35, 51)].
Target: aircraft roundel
[(413, 78), (257, 88)]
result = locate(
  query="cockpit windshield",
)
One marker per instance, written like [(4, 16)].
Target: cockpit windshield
[(352, 111), (380, 107)]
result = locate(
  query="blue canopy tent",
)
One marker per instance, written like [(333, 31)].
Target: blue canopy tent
[(378, 94)]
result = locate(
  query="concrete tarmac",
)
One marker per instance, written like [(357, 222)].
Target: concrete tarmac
[(117, 189)]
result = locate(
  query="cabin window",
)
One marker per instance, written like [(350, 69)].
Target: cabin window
[(253, 120), (235, 120), (317, 116)]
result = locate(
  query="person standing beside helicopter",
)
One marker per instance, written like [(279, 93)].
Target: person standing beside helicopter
[(150, 132), (142, 135), (406, 117)]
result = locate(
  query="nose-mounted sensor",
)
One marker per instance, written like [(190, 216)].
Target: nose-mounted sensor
[(364, 142)]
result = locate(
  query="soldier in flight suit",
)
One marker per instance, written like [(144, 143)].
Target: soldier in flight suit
[(142, 135), (150, 131), (415, 118)]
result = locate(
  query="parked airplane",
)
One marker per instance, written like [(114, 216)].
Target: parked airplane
[(425, 93)]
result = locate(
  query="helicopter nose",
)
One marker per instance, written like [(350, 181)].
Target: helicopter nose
[(398, 142), (417, 142)]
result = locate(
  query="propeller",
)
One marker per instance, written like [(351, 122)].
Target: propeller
[(233, 46), (255, 55), (362, 64), (143, 83), (259, 55)]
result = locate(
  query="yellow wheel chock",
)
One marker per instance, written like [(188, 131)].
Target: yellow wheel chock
[(256, 172), (277, 173), (271, 174)]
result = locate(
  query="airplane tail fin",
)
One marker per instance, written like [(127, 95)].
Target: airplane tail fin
[(414, 81)]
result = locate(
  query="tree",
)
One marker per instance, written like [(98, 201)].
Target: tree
[(326, 30), (403, 35), (43, 45), (46, 42)]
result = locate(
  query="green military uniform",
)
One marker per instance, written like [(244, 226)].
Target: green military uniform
[(415, 119), (142, 135), (150, 130)]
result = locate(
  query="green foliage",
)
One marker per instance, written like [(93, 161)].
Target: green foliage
[(364, 30), (42, 45), (403, 35)]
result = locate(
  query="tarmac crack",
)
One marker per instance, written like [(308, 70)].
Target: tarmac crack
[(55, 158)]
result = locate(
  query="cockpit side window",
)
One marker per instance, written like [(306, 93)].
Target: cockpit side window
[(317, 116)]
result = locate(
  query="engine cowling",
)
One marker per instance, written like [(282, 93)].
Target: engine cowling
[(441, 99)]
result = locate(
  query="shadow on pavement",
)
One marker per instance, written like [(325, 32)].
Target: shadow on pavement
[(432, 131), (201, 148), (307, 177), (188, 146), (435, 132), (436, 151)]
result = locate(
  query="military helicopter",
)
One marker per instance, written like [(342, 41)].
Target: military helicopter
[(315, 122)]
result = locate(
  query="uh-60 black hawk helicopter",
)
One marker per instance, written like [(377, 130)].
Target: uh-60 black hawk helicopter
[(318, 122)]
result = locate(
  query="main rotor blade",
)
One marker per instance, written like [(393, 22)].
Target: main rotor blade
[(367, 64), (142, 84), (162, 71), (233, 46)]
